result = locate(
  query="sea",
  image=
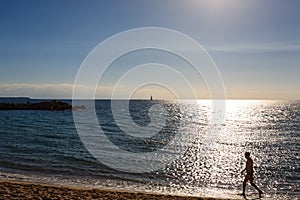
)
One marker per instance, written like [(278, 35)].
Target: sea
[(206, 158)]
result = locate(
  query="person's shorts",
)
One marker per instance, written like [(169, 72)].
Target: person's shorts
[(249, 177)]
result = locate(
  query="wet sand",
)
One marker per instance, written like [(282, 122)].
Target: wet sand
[(25, 190)]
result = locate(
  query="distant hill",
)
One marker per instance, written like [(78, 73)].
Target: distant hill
[(44, 105), (15, 99)]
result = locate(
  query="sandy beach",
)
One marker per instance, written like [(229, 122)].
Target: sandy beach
[(25, 190)]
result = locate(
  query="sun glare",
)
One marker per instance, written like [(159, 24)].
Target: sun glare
[(218, 8), (215, 4), (235, 106)]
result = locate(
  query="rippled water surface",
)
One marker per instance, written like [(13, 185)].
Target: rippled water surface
[(44, 146)]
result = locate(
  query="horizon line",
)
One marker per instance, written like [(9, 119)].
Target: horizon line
[(159, 99)]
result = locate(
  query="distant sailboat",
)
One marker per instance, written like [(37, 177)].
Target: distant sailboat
[(151, 99)]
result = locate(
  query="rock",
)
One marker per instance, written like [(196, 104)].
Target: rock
[(45, 105)]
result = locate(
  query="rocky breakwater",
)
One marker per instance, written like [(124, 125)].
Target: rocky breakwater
[(44, 105)]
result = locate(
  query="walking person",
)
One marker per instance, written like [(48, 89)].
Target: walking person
[(249, 176)]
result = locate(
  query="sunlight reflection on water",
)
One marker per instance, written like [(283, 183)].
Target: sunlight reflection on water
[(268, 129), (46, 142)]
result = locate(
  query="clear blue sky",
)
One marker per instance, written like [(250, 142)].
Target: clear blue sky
[(255, 44)]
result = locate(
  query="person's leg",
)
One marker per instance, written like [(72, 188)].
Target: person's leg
[(244, 185), (251, 182), (244, 188)]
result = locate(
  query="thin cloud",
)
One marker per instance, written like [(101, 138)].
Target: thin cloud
[(58, 90), (256, 48), (62, 90), (8, 87)]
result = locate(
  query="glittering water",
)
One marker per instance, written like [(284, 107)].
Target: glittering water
[(44, 146)]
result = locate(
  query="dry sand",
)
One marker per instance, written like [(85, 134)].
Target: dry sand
[(24, 190)]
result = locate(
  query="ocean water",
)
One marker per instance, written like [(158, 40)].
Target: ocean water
[(44, 146)]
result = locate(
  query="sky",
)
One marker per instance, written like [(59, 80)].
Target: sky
[(254, 44)]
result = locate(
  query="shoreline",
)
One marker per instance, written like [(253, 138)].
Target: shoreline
[(30, 190)]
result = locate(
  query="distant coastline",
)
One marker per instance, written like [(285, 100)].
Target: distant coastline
[(18, 100), (15, 98), (25, 103)]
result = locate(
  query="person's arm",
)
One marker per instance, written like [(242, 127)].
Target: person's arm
[(243, 170)]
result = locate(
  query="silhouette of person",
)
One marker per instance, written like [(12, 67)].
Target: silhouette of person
[(249, 176)]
